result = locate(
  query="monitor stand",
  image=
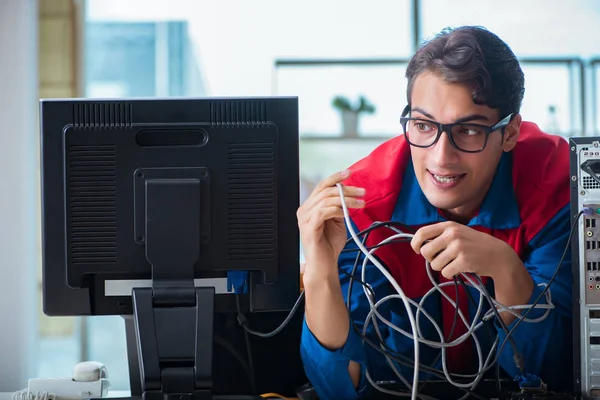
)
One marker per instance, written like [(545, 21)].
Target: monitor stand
[(170, 336)]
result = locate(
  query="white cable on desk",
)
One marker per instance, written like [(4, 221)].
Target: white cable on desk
[(25, 394)]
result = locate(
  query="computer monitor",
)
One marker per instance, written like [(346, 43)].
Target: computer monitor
[(153, 207)]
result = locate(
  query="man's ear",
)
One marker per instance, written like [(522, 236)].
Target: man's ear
[(511, 133)]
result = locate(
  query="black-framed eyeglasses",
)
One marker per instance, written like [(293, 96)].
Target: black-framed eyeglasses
[(464, 136)]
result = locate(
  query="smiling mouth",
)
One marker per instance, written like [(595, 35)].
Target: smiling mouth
[(446, 178)]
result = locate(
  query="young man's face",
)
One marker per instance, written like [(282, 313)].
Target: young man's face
[(451, 179)]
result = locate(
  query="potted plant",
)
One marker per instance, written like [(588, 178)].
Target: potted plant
[(350, 113)]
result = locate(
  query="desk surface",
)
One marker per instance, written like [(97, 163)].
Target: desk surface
[(112, 393), (125, 394)]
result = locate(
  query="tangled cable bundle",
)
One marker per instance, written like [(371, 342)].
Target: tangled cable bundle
[(415, 309)]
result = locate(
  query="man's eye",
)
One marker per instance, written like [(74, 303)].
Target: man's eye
[(469, 131), (423, 127)]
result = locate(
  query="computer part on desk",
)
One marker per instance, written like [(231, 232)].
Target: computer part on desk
[(585, 245), (158, 209)]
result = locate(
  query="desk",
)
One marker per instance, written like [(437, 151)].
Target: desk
[(112, 393), (124, 394)]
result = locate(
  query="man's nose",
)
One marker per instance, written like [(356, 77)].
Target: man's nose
[(443, 152)]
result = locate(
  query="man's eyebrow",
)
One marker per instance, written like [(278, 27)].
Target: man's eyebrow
[(472, 117), (467, 118), (425, 113)]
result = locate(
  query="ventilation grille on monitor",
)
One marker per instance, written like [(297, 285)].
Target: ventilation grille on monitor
[(590, 183), (92, 202), (102, 115), (251, 198), (247, 113)]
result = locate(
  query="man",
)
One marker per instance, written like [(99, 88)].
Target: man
[(486, 193)]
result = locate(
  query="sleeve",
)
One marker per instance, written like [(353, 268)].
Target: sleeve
[(545, 345), (327, 370)]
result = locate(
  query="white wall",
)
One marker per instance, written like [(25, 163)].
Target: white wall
[(19, 193)]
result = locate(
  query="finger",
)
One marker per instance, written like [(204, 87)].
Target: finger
[(442, 259), (351, 191), (316, 212), (318, 218), (433, 247), (351, 202), (348, 191), (452, 269), (425, 234), (332, 180)]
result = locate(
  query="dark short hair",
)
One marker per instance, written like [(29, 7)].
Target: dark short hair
[(476, 57)]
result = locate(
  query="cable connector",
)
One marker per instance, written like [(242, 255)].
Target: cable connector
[(530, 382), (237, 281), (588, 211)]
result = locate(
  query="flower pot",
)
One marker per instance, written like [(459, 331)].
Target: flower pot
[(349, 123)]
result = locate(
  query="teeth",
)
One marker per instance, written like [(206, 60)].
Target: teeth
[(445, 179)]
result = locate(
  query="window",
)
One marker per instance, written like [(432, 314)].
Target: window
[(317, 84), (233, 50), (141, 59), (540, 28), (551, 95), (324, 136)]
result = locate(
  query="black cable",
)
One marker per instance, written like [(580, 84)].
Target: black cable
[(248, 348), (376, 246), (377, 225), (243, 321), (250, 362), (517, 356), (489, 331), (454, 321), (543, 293)]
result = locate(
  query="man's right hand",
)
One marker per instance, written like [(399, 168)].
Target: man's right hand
[(323, 234), (322, 226)]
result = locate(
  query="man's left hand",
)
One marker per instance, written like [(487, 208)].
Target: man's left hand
[(453, 248)]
